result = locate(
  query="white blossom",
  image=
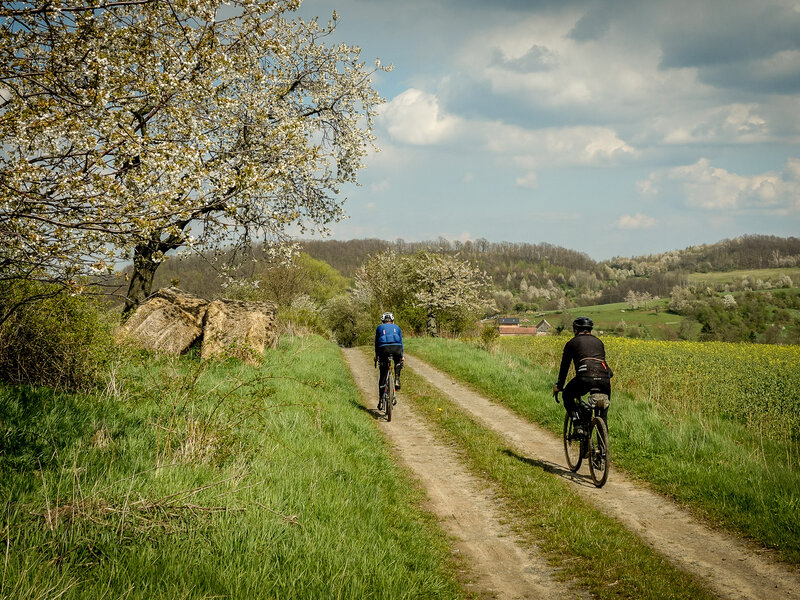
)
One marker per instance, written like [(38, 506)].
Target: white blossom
[(157, 125)]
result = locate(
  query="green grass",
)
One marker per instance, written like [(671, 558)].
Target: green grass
[(587, 549), (724, 471), (199, 480)]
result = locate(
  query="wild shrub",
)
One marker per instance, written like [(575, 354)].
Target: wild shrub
[(60, 340), (489, 336), (349, 321)]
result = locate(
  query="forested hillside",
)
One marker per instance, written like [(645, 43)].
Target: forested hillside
[(746, 252), (524, 275), (544, 276), (705, 285)]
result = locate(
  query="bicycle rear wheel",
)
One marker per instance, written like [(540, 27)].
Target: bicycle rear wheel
[(572, 445), (389, 393), (598, 452)]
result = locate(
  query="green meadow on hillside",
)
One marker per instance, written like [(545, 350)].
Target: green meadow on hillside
[(652, 321)]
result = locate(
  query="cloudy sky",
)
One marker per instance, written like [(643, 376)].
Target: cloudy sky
[(616, 128)]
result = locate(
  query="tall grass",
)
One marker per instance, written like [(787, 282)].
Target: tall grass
[(199, 480), (731, 474)]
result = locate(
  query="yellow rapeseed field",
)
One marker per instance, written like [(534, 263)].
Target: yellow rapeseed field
[(756, 384)]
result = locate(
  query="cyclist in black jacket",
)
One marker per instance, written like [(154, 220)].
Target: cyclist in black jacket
[(592, 373)]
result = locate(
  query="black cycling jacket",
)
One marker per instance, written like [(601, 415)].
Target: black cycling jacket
[(588, 354)]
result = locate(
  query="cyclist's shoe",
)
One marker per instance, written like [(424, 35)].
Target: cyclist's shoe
[(396, 384)]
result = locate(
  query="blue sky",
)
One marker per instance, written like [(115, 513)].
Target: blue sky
[(615, 128)]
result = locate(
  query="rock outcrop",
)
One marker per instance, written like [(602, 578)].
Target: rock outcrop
[(172, 320), (239, 329)]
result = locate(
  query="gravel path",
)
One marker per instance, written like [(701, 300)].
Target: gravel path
[(499, 565)]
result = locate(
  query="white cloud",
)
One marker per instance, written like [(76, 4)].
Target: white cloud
[(415, 117), (715, 188), (738, 123), (380, 186), (614, 75), (647, 187), (558, 146), (637, 221), (529, 180)]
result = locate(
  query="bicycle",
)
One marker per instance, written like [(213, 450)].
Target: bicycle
[(388, 393), (592, 444)]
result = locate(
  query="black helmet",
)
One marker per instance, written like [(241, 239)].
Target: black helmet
[(583, 324)]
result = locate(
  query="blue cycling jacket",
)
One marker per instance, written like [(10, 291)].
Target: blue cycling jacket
[(388, 334)]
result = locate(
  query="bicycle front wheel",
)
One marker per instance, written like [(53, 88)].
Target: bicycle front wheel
[(572, 445), (598, 452)]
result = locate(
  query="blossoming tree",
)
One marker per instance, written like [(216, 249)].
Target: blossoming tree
[(436, 284), (131, 128)]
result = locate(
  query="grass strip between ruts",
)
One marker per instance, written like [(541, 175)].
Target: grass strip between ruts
[(587, 548)]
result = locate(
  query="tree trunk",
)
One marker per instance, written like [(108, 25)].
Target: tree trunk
[(144, 270), (431, 323)]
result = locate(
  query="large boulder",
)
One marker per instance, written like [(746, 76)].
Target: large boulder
[(169, 321), (239, 329)]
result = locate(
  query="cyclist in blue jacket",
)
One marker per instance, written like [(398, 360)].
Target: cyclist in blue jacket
[(388, 342)]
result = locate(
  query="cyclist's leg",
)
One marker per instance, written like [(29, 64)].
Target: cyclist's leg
[(569, 395), (383, 369), (576, 388), (604, 387), (397, 353)]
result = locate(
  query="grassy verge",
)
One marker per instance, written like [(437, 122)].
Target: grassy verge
[(727, 473), (199, 480), (588, 549)]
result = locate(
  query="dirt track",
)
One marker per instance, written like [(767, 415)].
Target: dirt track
[(500, 566), (467, 511)]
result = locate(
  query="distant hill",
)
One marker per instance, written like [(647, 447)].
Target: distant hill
[(491, 256), (745, 252), (532, 276), (344, 256), (541, 275)]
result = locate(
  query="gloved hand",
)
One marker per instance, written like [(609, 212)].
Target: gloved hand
[(555, 393)]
